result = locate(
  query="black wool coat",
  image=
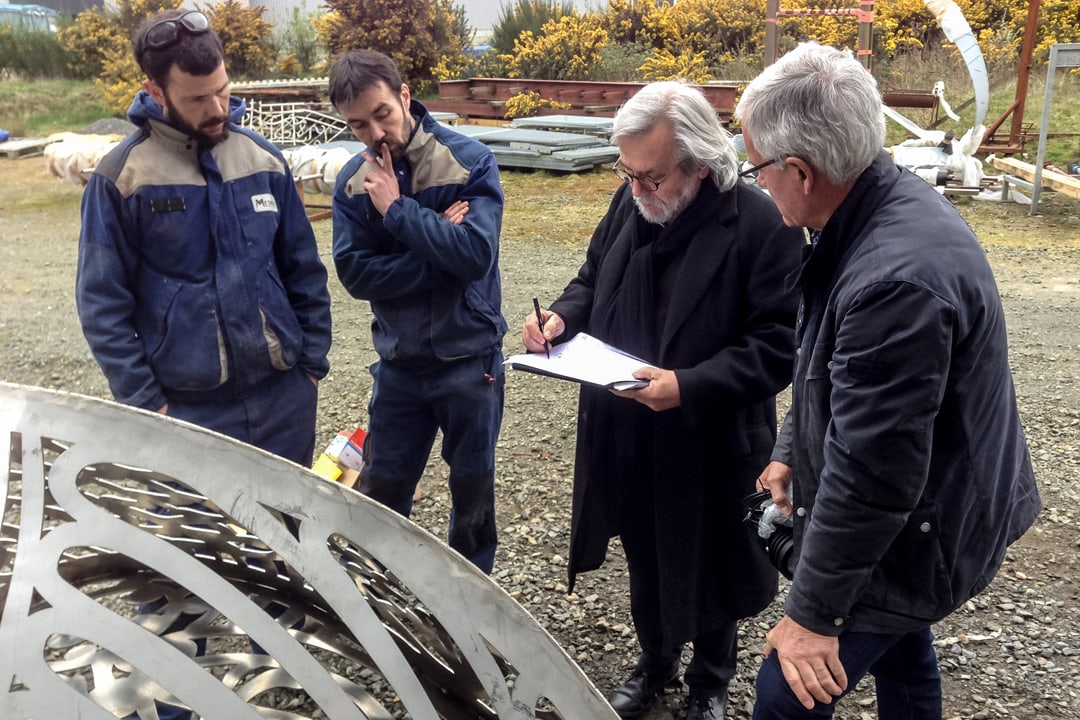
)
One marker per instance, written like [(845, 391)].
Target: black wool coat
[(728, 333)]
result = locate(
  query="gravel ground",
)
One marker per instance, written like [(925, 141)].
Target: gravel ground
[(1012, 652)]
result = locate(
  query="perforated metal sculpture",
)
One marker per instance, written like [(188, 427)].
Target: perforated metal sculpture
[(145, 559)]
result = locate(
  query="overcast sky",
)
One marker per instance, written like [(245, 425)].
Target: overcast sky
[(483, 14)]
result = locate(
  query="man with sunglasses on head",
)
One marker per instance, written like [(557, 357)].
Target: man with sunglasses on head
[(200, 288), (686, 271)]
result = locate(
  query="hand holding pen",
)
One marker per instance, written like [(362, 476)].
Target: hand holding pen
[(533, 336), (540, 324)]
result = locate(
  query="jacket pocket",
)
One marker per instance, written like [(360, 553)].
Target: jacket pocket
[(181, 334), (913, 578), (481, 308), (280, 328), (817, 406)]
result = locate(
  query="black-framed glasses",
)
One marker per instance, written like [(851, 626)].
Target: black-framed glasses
[(628, 177), (166, 32), (752, 171)]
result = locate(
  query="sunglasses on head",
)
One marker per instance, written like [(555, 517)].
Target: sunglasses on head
[(166, 32)]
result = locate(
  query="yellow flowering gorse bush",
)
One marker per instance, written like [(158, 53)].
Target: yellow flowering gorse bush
[(528, 103), (566, 49), (662, 65), (689, 39)]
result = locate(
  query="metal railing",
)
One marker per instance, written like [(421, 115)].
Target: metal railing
[(294, 124)]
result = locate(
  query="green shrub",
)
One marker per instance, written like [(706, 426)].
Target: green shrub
[(297, 44), (246, 36), (417, 34), (525, 16), (620, 62), (31, 54)]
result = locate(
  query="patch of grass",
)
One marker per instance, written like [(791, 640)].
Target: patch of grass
[(1064, 115), (26, 187), (919, 71), (42, 107), (556, 207), (60, 200)]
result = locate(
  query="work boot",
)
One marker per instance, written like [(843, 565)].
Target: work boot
[(700, 706), (640, 690)]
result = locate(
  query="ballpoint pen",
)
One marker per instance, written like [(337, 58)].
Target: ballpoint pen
[(540, 322)]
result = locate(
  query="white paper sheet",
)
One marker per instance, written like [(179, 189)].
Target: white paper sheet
[(584, 359)]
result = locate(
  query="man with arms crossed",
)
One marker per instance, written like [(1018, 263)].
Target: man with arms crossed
[(417, 217)]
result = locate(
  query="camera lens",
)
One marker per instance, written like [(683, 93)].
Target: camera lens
[(780, 545), (781, 548)]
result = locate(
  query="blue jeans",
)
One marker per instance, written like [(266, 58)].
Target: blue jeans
[(904, 667), (464, 399)]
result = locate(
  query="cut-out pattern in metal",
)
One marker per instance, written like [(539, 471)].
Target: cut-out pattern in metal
[(293, 124), (147, 563)]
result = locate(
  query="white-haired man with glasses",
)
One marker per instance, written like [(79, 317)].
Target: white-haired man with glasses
[(200, 288), (686, 270)]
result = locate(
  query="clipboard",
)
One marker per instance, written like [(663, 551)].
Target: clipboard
[(585, 360)]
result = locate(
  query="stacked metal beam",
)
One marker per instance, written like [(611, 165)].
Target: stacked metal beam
[(525, 146)]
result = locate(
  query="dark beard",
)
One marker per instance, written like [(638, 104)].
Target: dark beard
[(204, 140)]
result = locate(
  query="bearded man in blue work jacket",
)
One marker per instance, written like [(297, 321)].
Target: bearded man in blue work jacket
[(417, 217), (200, 289)]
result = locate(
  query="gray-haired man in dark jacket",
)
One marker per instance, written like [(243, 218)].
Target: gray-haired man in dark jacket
[(902, 458)]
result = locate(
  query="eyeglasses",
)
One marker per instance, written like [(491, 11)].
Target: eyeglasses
[(752, 172), (166, 32), (627, 177)]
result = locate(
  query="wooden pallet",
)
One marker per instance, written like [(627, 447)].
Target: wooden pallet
[(23, 147), (1051, 180)]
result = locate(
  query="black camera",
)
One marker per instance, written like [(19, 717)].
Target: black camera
[(773, 530)]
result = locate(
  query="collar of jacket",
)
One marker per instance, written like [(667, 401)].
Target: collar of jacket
[(844, 230), (708, 205), (176, 140), (420, 117), (705, 251), (144, 109)]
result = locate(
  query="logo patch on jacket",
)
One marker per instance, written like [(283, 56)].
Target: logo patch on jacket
[(264, 203), (167, 205)]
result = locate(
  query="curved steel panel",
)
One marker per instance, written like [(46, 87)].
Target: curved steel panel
[(143, 559)]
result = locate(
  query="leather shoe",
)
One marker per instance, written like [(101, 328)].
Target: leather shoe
[(640, 690), (706, 707)]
